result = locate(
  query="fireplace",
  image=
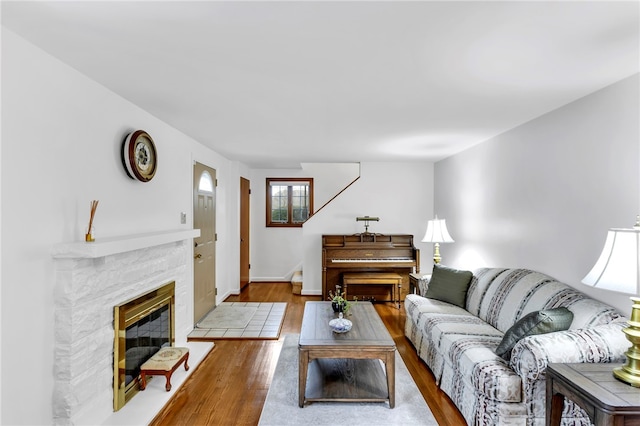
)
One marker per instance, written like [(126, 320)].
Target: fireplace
[(142, 326), (91, 279)]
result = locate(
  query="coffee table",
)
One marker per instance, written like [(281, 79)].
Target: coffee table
[(345, 367)]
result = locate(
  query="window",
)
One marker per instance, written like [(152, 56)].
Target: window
[(206, 182), (289, 201)]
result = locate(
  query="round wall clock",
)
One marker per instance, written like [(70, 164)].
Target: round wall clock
[(139, 156)]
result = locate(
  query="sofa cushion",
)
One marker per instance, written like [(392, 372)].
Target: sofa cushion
[(449, 285), (539, 322)]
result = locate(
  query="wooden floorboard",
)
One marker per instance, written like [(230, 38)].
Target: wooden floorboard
[(230, 385)]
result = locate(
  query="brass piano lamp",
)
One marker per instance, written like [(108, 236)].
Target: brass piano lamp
[(366, 220), (618, 269), (437, 233)]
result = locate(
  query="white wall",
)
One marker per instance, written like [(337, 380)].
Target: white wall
[(276, 253), (400, 194), (329, 180), (543, 195), (61, 136)]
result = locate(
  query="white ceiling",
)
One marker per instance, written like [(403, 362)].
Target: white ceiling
[(273, 84)]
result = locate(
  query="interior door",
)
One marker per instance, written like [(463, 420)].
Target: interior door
[(245, 192), (204, 252)]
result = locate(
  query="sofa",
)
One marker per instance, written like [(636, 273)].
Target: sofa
[(458, 343)]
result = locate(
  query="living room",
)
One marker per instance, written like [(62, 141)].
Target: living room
[(540, 195)]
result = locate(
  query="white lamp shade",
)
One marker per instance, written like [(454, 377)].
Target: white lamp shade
[(437, 232), (618, 268)]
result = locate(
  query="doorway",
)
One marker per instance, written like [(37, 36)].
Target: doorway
[(204, 252), (245, 265)]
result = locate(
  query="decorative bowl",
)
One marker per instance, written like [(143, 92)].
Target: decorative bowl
[(340, 324)]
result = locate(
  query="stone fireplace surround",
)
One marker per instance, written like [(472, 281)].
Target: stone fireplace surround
[(92, 278)]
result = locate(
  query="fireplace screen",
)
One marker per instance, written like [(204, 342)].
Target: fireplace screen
[(142, 326)]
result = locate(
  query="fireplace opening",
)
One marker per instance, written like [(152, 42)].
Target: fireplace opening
[(142, 326)]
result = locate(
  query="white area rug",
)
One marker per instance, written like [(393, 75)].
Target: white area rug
[(281, 406), (241, 320)]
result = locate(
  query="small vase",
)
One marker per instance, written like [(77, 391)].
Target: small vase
[(337, 307)]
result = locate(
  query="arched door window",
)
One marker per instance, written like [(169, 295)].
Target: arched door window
[(206, 182)]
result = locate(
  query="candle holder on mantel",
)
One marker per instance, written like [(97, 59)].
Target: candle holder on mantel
[(88, 237)]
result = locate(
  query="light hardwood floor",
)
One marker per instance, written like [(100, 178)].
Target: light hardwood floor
[(229, 387)]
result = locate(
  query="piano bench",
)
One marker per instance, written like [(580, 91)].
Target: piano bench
[(375, 278)]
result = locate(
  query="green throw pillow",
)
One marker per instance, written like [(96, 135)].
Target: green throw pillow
[(539, 322), (449, 285)]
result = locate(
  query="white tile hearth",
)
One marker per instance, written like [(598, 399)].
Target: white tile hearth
[(265, 323), (145, 405)]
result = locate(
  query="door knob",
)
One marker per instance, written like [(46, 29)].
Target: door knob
[(197, 256)]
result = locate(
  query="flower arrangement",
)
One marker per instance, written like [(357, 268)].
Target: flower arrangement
[(339, 300)]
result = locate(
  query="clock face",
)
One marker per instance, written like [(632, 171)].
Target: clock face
[(139, 156), (144, 156)]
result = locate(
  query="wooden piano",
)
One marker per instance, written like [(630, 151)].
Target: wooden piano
[(369, 254)]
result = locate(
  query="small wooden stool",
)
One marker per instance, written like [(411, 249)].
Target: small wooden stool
[(164, 362)]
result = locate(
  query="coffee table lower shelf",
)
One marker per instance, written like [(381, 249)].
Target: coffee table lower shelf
[(346, 380)]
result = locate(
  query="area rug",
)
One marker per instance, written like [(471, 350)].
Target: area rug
[(228, 316), (281, 406), (241, 320)]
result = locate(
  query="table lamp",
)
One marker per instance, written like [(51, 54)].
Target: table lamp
[(437, 233), (618, 269)]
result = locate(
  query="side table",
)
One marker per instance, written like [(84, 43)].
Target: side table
[(415, 279), (606, 400)]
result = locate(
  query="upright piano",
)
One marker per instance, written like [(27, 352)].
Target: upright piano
[(368, 253)]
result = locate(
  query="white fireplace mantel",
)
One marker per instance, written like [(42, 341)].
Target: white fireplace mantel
[(114, 245), (90, 279)]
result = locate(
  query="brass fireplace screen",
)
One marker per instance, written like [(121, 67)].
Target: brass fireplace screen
[(142, 326)]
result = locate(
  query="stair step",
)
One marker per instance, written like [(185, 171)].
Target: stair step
[(296, 282)]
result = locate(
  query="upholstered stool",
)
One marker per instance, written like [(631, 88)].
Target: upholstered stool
[(164, 362)]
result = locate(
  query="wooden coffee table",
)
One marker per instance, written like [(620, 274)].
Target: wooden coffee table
[(345, 367)]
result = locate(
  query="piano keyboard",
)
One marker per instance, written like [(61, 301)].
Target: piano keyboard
[(371, 260)]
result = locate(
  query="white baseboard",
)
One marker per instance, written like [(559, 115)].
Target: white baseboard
[(268, 279), (223, 297)]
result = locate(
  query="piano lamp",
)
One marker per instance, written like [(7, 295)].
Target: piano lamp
[(618, 269), (366, 220), (437, 233)]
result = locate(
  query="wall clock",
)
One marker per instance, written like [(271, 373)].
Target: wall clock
[(139, 156)]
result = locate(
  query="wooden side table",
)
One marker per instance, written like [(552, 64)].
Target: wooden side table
[(414, 282), (606, 400)]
